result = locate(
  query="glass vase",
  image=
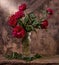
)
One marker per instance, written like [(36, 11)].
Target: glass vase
[(26, 46)]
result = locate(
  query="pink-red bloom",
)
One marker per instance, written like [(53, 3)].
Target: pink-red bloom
[(19, 14), (50, 11), (22, 7), (12, 21), (44, 24), (18, 32)]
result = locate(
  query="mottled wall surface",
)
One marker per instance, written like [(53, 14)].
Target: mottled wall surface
[(43, 42)]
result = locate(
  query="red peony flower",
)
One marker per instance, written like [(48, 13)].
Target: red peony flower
[(19, 14), (22, 7), (18, 32), (50, 11), (17, 28), (12, 21), (44, 24), (21, 34)]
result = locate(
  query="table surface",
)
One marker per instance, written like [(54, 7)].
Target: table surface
[(43, 60)]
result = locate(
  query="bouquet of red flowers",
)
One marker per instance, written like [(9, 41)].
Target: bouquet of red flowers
[(23, 23)]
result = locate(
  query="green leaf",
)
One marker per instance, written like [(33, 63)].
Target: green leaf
[(39, 27), (17, 56), (9, 56), (32, 16), (28, 58), (32, 58), (29, 28), (37, 56), (26, 20), (20, 22), (35, 23)]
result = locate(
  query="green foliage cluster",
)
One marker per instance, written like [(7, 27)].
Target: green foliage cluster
[(29, 23), (15, 55)]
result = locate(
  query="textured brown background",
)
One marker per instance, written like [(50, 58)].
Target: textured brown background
[(46, 43)]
